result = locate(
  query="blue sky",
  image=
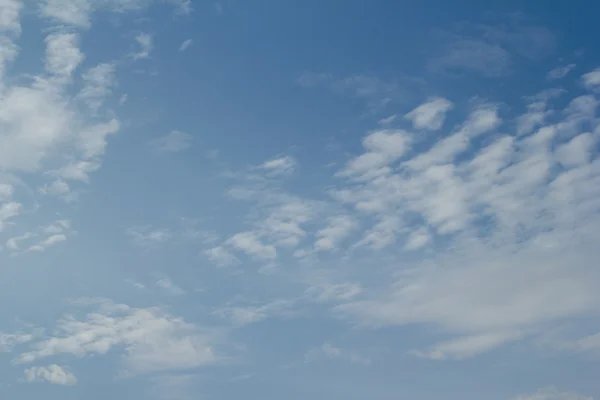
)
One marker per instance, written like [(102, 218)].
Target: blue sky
[(312, 199)]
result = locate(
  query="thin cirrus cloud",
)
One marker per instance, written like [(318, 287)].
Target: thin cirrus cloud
[(173, 142), (185, 45)]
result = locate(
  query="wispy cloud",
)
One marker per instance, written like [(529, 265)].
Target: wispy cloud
[(173, 142), (145, 44), (250, 314), (329, 352), (147, 236), (490, 50), (185, 45), (552, 393), (560, 72), (169, 287)]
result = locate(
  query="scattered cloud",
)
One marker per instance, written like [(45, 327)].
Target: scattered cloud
[(153, 340), (173, 142), (10, 340), (430, 115), (146, 236), (505, 209), (473, 56), (383, 147), (145, 45), (78, 13), (279, 166), (221, 256), (53, 373), (329, 352), (467, 346), (48, 242), (333, 292), (560, 72), (46, 236), (337, 229), (553, 394), (591, 80), (98, 83), (490, 50), (62, 54), (250, 243), (185, 45), (245, 315), (169, 287), (377, 93)]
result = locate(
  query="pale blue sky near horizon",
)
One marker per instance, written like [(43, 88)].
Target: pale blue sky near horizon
[(302, 199)]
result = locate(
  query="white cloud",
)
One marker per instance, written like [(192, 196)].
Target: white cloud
[(472, 55), (62, 54), (418, 239), (168, 286), (588, 344), (153, 340), (490, 50), (13, 243), (481, 120), (59, 226), (576, 152), (388, 120), (278, 219), (173, 142), (560, 72), (10, 11), (48, 242), (70, 12), (221, 256), (44, 128), (147, 236), (58, 188), (78, 13), (144, 41), (8, 52), (250, 243), (383, 147), (502, 219), (430, 115), (245, 315), (591, 80), (137, 285), (52, 373), (185, 45), (8, 211), (283, 224), (279, 166), (330, 352), (488, 301), (375, 92), (9, 340), (467, 346), (553, 394), (326, 292), (98, 82), (338, 228), (49, 236), (537, 113), (6, 191)]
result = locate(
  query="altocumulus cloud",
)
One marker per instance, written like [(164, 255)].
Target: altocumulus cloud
[(440, 220)]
